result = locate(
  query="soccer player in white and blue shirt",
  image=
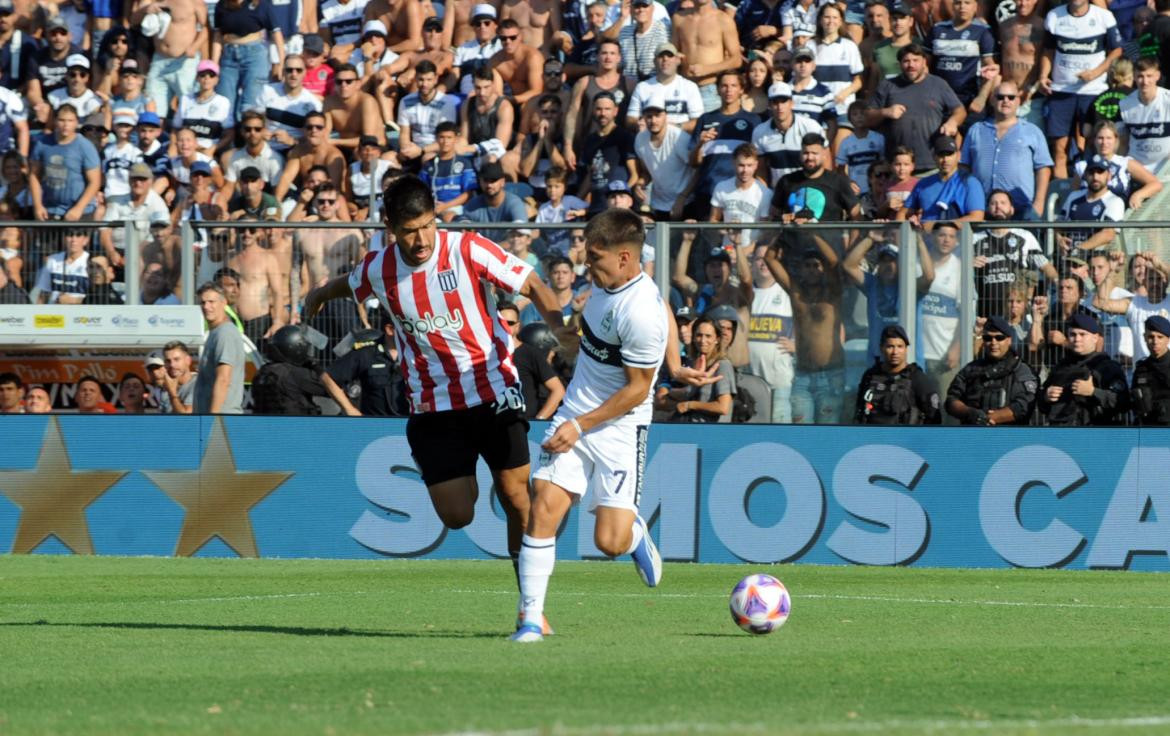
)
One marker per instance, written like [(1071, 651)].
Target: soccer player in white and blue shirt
[(1080, 43), (597, 440)]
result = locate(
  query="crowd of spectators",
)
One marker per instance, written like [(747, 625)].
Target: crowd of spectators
[(152, 113)]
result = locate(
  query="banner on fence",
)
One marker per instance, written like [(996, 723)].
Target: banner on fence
[(347, 488)]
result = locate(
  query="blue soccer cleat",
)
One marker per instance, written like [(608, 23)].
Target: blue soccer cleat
[(646, 557), (527, 633), (545, 628)]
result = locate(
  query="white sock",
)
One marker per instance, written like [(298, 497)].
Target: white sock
[(537, 559), (637, 536)]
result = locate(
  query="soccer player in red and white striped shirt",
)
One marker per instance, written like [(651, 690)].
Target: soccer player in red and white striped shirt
[(465, 398)]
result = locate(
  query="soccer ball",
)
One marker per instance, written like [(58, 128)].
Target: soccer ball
[(760, 604)]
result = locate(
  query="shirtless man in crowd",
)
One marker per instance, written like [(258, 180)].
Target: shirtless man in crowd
[(325, 253), (457, 28), (1021, 40), (403, 19), (315, 150), (176, 52), (707, 39), (816, 288), (259, 305), (433, 51), (351, 113), (538, 20), (519, 65)]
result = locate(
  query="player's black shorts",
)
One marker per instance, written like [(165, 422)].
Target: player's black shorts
[(447, 444)]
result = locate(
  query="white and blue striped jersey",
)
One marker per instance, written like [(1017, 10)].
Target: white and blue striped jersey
[(1081, 43), (816, 103), (619, 327), (957, 54), (781, 149), (837, 63), (681, 96), (1148, 127), (859, 154), (344, 20)]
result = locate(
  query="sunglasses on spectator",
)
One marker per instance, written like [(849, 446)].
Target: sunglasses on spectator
[(509, 38), (331, 201), (78, 74), (432, 30), (294, 70), (484, 22), (996, 337), (578, 238), (314, 126), (253, 128), (121, 40), (58, 32), (251, 230), (1005, 97), (206, 73), (348, 80)]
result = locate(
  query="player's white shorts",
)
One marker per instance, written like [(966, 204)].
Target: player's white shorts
[(609, 461)]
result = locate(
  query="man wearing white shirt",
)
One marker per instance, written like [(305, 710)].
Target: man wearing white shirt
[(286, 104), (138, 208), (1146, 114), (421, 112), (664, 151), (743, 198), (76, 91), (681, 96)]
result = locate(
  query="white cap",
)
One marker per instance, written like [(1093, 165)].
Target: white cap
[(125, 117), (779, 89), (80, 60), (374, 26), (483, 10), (657, 101)]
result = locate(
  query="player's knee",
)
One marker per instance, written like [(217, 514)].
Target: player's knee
[(457, 518), (610, 544)]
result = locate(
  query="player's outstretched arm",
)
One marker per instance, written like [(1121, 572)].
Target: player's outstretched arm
[(338, 288), (545, 301)]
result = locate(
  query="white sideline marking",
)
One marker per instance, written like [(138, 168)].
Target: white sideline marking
[(875, 598), (217, 599), (944, 726)]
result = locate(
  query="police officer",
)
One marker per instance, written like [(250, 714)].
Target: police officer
[(893, 391), (286, 384), (998, 388), (373, 362), (1086, 387), (1151, 376), (542, 387)]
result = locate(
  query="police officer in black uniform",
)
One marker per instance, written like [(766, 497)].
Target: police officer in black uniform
[(893, 391), (1151, 376), (373, 363), (287, 383), (1086, 388), (998, 388), (539, 381)]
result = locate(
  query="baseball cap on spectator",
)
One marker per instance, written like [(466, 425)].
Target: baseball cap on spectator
[(997, 324), (944, 144), (368, 140), (894, 331), (483, 10), (6, 7), (889, 249), (521, 231), (433, 23), (159, 219), (271, 213), (491, 171), (201, 167), (718, 254), (1076, 261), (207, 65), (125, 117), (94, 121), (154, 359), (56, 23), (617, 186), (375, 28), (1084, 321), (657, 101), (900, 8), (684, 315), (553, 66), (665, 48), (140, 171), (313, 43), (77, 61), (129, 66), (803, 52), (250, 173), (1098, 162), (780, 91), (645, 3), (1158, 323), (149, 118)]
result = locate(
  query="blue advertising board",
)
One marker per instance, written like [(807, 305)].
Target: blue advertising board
[(347, 488)]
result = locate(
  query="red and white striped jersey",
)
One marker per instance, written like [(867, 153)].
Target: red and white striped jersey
[(456, 351)]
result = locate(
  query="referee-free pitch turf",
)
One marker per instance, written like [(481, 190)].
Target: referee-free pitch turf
[(216, 646)]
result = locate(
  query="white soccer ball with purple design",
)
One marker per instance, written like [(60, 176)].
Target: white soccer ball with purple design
[(760, 604)]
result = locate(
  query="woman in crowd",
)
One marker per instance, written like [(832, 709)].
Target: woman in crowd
[(711, 403), (239, 45), (759, 78)]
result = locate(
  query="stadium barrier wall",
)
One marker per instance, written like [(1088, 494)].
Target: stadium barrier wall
[(347, 488)]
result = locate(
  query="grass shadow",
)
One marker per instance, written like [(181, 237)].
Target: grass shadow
[(262, 629)]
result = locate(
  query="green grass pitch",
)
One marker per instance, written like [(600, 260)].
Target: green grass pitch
[(204, 646)]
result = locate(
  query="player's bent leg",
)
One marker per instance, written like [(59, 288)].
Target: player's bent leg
[(454, 500), (621, 531)]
